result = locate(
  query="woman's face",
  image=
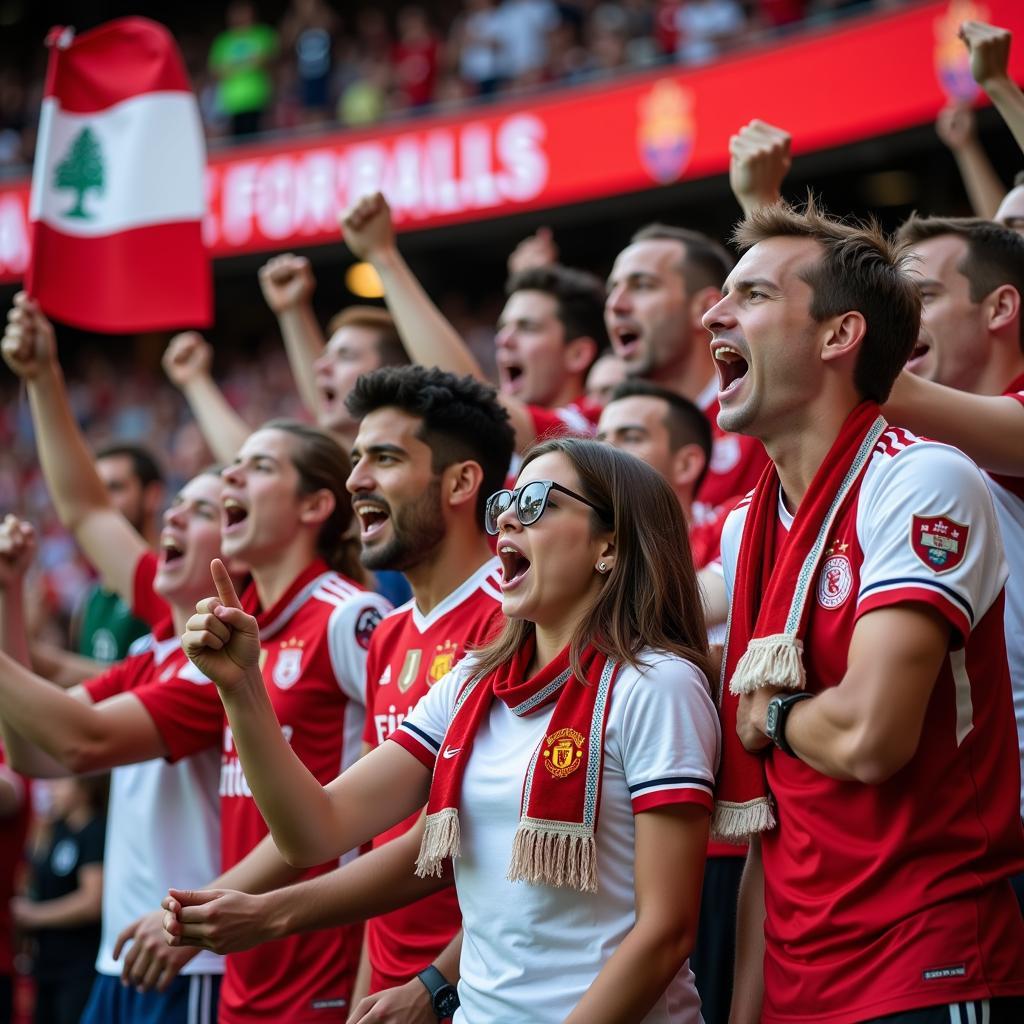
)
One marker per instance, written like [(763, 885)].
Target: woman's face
[(550, 568)]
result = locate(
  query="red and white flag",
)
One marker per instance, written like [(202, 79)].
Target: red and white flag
[(117, 187)]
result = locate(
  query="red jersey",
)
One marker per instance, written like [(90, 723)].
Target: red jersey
[(579, 417), (13, 833), (314, 642), (885, 898), (737, 461), (409, 654), (706, 534), (147, 604)]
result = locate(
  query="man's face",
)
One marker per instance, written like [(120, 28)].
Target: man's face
[(350, 352), (952, 344), (529, 348), (765, 343), (607, 373), (638, 425), (647, 308), (1011, 210), (189, 541), (124, 488), (395, 492)]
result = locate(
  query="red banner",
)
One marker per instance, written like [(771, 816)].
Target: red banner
[(869, 77)]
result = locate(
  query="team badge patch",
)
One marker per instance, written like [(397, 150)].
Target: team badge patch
[(367, 622), (835, 582), (563, 752), (940, 542), (288, 666), (444, 661)]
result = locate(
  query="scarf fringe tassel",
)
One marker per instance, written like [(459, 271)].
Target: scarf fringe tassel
[(736, 823), (545, 854), (770, 661), (441, 840)]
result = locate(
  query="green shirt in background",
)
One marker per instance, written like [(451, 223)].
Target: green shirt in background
[(239, 58), (108, 627)]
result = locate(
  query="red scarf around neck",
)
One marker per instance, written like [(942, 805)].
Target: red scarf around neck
[(768, 613), (555, 842)]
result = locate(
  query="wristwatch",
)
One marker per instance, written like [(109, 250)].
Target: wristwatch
[(775, 721), (443, 997)]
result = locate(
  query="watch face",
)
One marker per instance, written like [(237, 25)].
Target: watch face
[(446, 1001), (772, 718)]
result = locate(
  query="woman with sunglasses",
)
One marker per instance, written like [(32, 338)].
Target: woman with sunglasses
[(567, 767)]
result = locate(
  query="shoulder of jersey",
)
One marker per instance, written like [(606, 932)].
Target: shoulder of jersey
[(333, 589), (491, 584), (143, 645)]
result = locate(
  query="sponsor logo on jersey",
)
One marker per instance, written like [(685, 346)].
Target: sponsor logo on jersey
[(368, 620), (385, 676), (445, 656), (835, 582), (940, 542), (563, 752), (410, 669), (288, 666)]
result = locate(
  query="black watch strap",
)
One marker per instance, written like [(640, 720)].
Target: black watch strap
[(443, 996), (783, 705)]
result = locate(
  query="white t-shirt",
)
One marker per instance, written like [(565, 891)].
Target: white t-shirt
[(530, 952)]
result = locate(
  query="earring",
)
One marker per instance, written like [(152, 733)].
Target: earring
[(602, 567)]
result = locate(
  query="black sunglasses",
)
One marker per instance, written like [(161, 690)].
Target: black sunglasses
[(530, 501)]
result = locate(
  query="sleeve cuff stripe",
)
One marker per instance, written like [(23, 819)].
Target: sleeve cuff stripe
[(419, 734), (911, 582), (412, 745), (671, 782), (904, 595), (664, 798)]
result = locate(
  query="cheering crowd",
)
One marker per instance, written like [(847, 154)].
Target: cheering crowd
[(680, 677)]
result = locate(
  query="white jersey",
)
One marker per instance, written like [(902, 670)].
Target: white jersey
[(530, 952), (163, 821)]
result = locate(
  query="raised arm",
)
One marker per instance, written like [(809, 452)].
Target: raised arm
[(989, 47), (955, 127), (989, 428), (107, 538), (759, 161), (187, 362), (427, 335), (310, 823), (287, 282)]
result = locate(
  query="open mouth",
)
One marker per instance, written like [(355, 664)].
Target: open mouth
[(732, 368), (234, 513), (511, 377), (920, 350), (170, 551), (514, 565), (329, 394), (372, 518), (627, 341)]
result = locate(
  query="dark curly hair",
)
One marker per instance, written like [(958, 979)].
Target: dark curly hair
[(463, 421)]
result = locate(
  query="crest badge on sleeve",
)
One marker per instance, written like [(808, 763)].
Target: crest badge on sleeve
[(940, 542)]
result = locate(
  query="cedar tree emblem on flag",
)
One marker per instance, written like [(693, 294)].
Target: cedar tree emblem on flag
[(118, 184)]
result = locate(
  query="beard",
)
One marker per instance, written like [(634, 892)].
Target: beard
[(416, 530)]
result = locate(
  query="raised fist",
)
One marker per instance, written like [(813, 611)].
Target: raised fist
[(759, 161), (539, 250), (367, 227), (989, 48), (287, 281), (955, 126), (17, 550), (29, 344), (188, 355)]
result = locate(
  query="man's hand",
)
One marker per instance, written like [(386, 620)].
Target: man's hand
[(220, 920), (287, 282), (407, 1004), (222, 640), (538, 250), (29, 345), (17, 550), (989, 48), (752, 716), (188, 356), (367, 227), (955, 126), (150, 963), (759, 161)]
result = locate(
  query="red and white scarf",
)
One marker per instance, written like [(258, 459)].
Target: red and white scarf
[(770, 603), (555, 842)]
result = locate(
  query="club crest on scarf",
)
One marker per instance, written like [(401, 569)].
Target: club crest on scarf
[(940, 542), (563, 752)]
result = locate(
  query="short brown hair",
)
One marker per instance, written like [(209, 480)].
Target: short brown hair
[(651, 598), (706, 264), (994, 257), (390, 349), (579, 297), (862, 269)]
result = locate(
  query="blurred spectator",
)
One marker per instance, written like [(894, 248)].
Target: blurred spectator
[(364, 99), (240, 58), (62, 910), (478, 46), (307, 31), (13, 119), (522, 28), (705, 26), (14, 817), (415, 58)]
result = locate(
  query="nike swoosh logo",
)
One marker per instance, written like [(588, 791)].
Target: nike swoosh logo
[(448, 753)]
